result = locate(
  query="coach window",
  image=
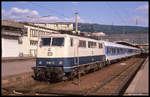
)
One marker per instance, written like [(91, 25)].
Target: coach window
[(71, 42), (118, 50), (114, 50), (109, 50)]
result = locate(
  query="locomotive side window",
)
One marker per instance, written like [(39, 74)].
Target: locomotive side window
[(71, 42), (46, 41), (92, 44), (58, 42), (100, 45), (82, 43), (89, 44)]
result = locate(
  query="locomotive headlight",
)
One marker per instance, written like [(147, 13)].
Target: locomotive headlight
[(40, 62), (50, 54)]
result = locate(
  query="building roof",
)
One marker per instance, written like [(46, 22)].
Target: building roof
[(98, 34), (48, 23), (57, 23), (12, 24), (11, 33), (11, 28), (31, 24), (126, 43)]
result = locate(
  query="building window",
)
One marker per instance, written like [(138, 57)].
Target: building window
[(68, 25), (31, 32), (20, 40), (33, 43), (36, 33), (40, 33), (82, 43)]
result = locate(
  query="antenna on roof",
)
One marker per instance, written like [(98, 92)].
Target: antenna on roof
[(136, 21)]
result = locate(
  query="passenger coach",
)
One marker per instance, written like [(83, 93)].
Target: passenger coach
[(116, 52)]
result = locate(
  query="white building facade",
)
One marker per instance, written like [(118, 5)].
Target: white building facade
[(29, 41)]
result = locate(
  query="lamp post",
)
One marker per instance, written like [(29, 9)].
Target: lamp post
[(38, 29)]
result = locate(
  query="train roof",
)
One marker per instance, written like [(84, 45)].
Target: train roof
[(66, 35), (106, 43), (117, 45)]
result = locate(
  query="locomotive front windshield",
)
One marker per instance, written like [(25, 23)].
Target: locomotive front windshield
[(46, 41), (56, 41)]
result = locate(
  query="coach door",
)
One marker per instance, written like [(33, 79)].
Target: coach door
[(76, 57)]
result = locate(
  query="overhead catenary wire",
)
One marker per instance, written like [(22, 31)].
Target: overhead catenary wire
[(47, 8), (115, 12)]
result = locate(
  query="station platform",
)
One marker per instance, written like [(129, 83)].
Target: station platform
[(11, 59), (140, 83), (17, 65)]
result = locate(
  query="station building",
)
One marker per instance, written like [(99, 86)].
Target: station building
[(29, 40), (21, 38)]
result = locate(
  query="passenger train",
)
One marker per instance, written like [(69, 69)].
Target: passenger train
[(62, 56)]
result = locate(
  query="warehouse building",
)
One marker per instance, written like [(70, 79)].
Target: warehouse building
[(11, 31)]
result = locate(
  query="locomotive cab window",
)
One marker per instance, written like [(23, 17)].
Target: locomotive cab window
[(46, 41), (58, 41)]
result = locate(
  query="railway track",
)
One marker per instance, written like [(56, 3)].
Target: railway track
[(112, 85), (115, 84)]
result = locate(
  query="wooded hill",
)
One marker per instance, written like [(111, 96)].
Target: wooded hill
[(110, 29)]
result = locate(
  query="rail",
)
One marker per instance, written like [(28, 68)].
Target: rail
[(113, 77)]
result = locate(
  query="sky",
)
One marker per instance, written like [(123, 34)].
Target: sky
[(129, 13)]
